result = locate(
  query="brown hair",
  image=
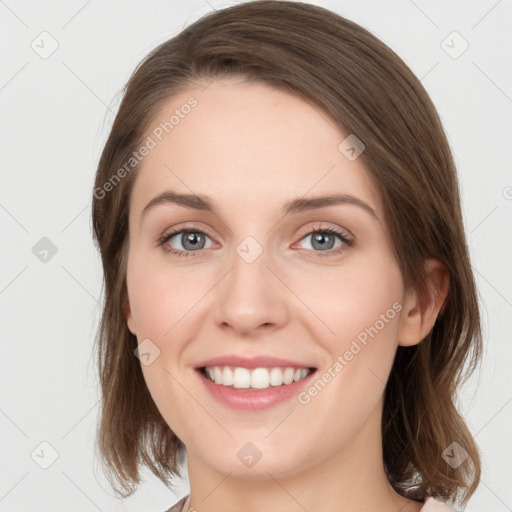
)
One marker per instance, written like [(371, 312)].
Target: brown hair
[(369, 91)]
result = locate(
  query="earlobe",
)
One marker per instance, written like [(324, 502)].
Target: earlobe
[(422, 308), (129, 318)]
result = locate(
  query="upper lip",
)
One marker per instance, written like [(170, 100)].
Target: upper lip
[(251, 362)]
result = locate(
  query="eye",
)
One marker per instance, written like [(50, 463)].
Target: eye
[(191, 240), (323, 240)]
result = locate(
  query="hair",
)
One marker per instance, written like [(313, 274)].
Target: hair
[(359, 82)]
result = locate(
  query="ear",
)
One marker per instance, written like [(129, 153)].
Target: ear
[(422, 308), (129, 317)]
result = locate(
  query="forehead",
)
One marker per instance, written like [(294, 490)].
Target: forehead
[(248, 144)]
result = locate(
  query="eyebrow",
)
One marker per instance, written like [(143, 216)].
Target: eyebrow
[(202, 202)]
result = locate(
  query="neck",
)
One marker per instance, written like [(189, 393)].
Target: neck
[(350, 479)]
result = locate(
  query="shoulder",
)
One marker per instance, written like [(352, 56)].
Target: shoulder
[(178, 506), (433, 505)]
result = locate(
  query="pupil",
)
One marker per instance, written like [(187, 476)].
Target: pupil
[(321, 239), (193, 239)]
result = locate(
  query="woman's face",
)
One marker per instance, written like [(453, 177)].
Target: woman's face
[(252, 280)]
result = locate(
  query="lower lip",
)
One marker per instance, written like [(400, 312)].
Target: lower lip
[(257, 400)]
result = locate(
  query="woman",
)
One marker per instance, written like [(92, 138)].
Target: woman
[(289, 300)]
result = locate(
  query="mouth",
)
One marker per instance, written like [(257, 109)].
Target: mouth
[(254, 379)]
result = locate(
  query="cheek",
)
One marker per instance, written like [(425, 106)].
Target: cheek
[(362, 309), (347, 302), (160, 297), (360, 313), (161, 305), (165, 304)]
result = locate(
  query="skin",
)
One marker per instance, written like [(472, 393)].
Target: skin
[(251, 148)]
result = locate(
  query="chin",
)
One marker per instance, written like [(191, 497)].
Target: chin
[(277, 463)]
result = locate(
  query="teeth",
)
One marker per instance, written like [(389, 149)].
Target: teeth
[(227, 376), (260, 378), (276, 377), (257, 378), (288, 375), (241, 378)]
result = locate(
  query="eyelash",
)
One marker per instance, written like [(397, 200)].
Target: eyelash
[(347, 242)]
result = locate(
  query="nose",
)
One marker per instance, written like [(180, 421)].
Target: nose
[(251, 298)]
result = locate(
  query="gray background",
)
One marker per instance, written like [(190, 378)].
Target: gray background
[(55, 115)]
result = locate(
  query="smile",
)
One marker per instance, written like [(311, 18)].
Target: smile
[(254, 378)]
